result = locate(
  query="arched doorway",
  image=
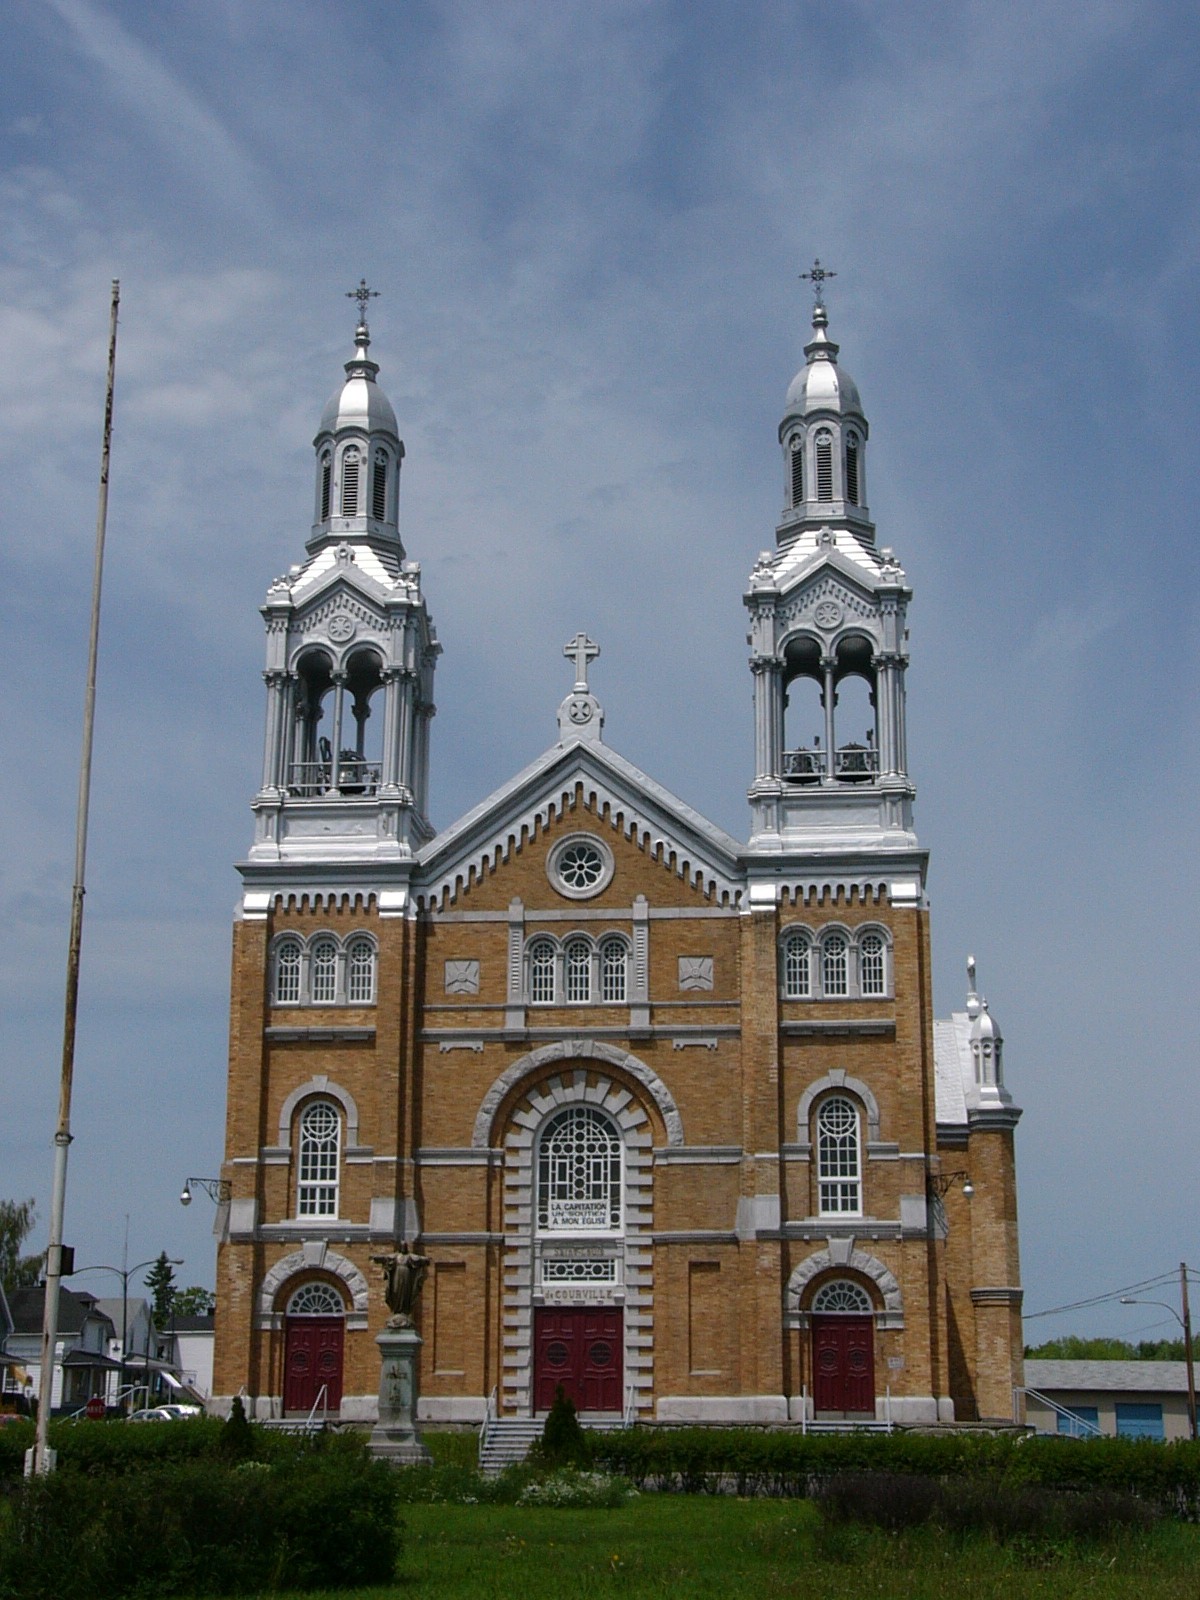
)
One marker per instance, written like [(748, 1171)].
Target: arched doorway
[(579, 1222), (314, 1349), (843, 1350)]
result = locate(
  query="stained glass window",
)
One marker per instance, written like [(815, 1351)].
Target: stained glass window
[(579, 1173), (838, 1173), (320, 1141)]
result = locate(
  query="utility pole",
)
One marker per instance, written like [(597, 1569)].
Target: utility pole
[(41, 1457), (1187, 1348)]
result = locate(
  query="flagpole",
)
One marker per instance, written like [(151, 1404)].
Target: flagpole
[(41, 1457)]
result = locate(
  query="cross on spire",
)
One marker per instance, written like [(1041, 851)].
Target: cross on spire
[(584, 651), (817, 277), (362, 294)]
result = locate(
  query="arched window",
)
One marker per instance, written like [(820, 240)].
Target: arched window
[(320, 1141), (360, 972), (316, 1300), (834, 965), (350, 483), (579, 1173), (379, 487), (852, 468), (578, 971), (824, 465), (839, 1178), (326, 484), (322, 971), (541, 973), (614, 964), (797, 464), (797, 967), (287, 972), (872, 977), (842, 1297)]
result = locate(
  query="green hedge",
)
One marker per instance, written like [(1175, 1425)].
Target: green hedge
[(756, 1462), (118, 1447), (324, 1521)]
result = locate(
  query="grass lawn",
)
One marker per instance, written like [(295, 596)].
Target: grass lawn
[(724, 1549)]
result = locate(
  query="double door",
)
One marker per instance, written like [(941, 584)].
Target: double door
[(313, 1359), (580, 1348), (844, 1365)]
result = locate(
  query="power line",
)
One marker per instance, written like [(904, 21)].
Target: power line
[(1100, 1299)]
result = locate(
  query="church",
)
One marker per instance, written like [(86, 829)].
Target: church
[(669, 1113)]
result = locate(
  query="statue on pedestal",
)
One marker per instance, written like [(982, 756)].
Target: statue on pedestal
[(403, 1276)]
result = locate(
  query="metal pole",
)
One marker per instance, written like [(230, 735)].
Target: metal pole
[(43, 1460), (1187, 1349)]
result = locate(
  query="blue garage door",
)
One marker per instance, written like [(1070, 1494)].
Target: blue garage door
[(1139, 1421)]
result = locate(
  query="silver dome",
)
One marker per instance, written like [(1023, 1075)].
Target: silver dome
[(821, 385), (359, 402)]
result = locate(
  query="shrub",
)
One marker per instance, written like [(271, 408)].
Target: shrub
[(327, 1520), (237, 1437), (563, 1442)]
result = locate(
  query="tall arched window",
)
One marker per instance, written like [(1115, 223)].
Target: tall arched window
[(824, 465), (577, 967), (326, 484), (579, 1173), (350, 483), (322, 971), (541, 973), (320, 1142), (360, 972), (872, 977), (287, 972), (379, 487), (797, 465), (614, 964), (834, 965), (852, 468), (797, 967), (839, 1174)]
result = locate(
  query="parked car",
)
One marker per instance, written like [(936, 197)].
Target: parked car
[(152, 1414), (181, 1413)]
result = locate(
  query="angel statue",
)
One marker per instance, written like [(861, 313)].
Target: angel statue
[(403, 1275)]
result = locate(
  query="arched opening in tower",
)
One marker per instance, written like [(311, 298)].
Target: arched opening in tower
[(803, 713), (361, 758), (856, 744)]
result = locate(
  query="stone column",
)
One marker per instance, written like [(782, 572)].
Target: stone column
[(395, 1437)]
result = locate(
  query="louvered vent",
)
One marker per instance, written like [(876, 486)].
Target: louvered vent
[(379, 489), (326, 482), (350, 484), (797, 471), (852, 470), (824, 467)]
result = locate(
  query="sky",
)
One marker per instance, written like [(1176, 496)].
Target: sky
[(586, 224)]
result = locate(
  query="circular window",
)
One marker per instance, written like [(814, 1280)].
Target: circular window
[(557, 1354), (580, 866), (600, 1354)]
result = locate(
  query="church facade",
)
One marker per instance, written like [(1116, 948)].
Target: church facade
[(669, 1113)]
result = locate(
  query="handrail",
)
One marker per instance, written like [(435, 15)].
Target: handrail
[(804, 1409), (1086, 1429), (489, 1419), (322, 1400), (630, 1417)]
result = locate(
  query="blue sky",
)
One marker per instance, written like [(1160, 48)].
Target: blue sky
[(586, 222)]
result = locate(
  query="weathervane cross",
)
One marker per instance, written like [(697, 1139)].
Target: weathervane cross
[(362, 294), (817, 278), (583, 651)]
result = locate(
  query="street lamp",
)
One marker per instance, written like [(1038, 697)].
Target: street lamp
[(125, 1273), (218, 1190), (1185, 1322)]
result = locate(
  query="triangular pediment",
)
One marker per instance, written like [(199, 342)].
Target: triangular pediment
[(663, 826)]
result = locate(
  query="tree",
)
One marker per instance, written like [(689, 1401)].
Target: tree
[(160, 1281), (17, 1271), (193, 1301)]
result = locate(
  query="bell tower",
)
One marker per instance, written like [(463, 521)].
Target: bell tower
[(351, 652), (827, 635)]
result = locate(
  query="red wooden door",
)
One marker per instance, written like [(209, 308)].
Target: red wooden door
[(581, 1349), (312, 1358), (844, 1364)]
